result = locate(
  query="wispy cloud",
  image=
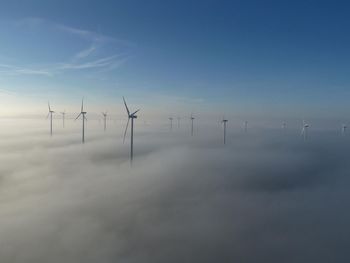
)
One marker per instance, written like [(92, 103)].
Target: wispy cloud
[(15, 70), (100, 53), (85, 52), (99, 63)]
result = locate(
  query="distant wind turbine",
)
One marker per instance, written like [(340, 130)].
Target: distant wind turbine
[(104, 120), (192, 119), (284, 127), (131, 116), (343, 130), (50, 114), (171, 123), (224, 121), (82, 113), (63, 117), (304, 130), (246, 126)]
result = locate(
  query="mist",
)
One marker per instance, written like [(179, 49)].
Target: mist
[(265, 196)]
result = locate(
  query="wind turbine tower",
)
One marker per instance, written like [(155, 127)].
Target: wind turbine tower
[(246, 126), (131, 116), (284, 127), (304, 130), (50, 114), (343, 130), (224, 121), (82, 113), (104, 120), (171, 123), (192, 119), (63, 117)]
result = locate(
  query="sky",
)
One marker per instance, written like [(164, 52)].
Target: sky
[(256, 58), (267, 195)]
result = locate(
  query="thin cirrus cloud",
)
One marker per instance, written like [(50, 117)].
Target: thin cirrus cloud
[(100, 53), (15, 70)]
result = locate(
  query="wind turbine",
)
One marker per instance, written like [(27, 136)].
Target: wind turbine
[(63, 116), (343, 130), (246, 126), (104, 120), (82, 112), (304, 130), (224, 121), (171, 123), (50, 114), (131, 116), (284, 127), (192, 118)]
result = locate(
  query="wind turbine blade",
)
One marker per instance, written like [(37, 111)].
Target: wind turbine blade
[(126, 129), (48, 115), (135, 112), (77, 116), (126, 106), (48, 104)]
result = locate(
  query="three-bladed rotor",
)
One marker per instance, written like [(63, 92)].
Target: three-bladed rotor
[(130, 116)]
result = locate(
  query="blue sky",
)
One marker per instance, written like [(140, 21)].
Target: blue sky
[(285, 57)]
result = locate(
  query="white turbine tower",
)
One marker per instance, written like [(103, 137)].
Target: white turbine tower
[(104, 120), (50, 114), (131, 116), (224, 121), (171, 123), (343, 130), (63, 116), (192, 119), (304, 130), (82, 113)]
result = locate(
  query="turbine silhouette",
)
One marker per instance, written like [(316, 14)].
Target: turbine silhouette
[(63, 117), (131, 116), (82, 113), (224, 121), (104, 120), (284, 127), (343, 130), (171, 123), (50, 114), (192, 119), (304, 130), (246, 126)]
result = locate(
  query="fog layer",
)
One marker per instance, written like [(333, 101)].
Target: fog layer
[(263, 197)]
